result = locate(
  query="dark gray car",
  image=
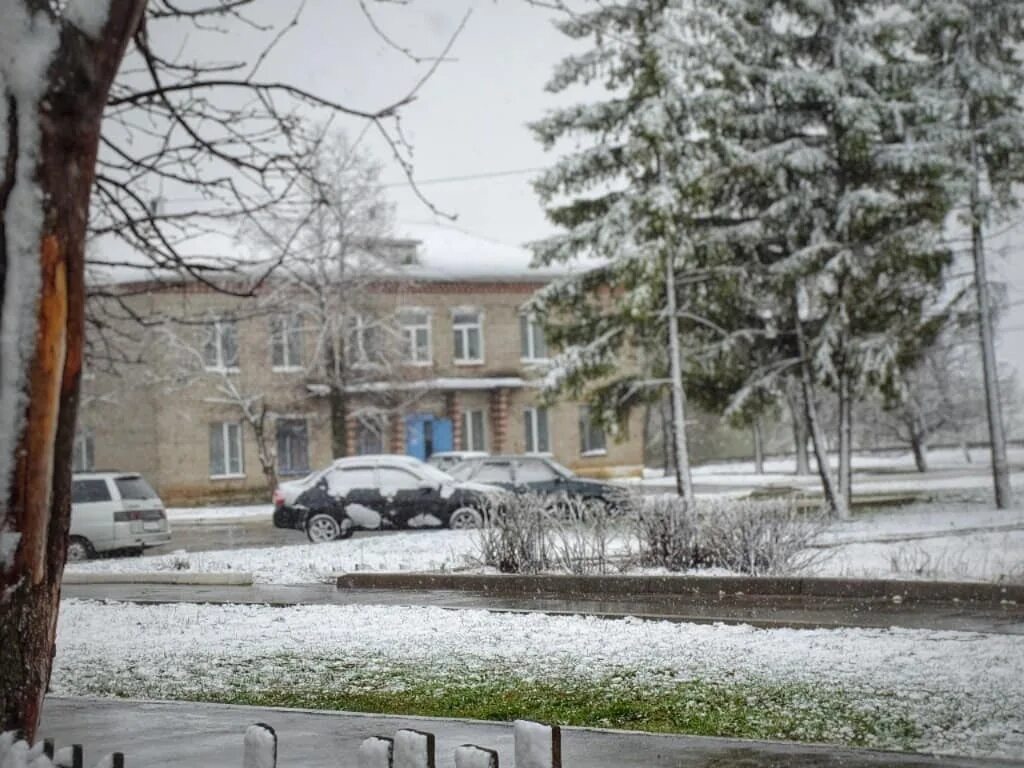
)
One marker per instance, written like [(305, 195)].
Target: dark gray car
[(536, 474)]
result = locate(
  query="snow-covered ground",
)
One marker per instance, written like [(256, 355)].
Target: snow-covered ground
[(961, 691), (957, 541)]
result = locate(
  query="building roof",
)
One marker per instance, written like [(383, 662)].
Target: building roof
[(437, 253)]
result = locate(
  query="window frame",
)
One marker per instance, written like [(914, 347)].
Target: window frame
[(225, 432), (587, 428), (462, 330), (468, 432), (280, 422), (529, 329), (218, 327), (85, 440), (359, 324), (410, 354), (286, 327), (531, 422)]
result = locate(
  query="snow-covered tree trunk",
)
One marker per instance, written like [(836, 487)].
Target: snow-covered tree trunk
[(681, 455), (990, 372), (919, 445), (758, 447), (845, 437), (55, 73), (833, 499), (794, 399)]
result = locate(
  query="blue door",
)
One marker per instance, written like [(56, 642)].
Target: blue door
[(426, 435)]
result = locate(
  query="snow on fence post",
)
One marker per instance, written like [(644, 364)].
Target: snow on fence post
[(69, 757), (260, 750), (472, 756), (414, 749), (537, 745), (376, 752)]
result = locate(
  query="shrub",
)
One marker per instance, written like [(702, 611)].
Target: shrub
[(668, 532)]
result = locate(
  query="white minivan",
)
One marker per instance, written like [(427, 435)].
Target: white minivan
[(114, 511)]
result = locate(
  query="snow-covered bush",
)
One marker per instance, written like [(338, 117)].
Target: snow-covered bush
[(530, 532), (668, 532), (759, 538)]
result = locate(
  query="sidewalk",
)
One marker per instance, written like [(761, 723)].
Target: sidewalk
[(801, 612), (166, 735)]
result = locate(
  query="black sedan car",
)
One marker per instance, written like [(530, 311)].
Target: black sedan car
[(369, 492), (537, 474)]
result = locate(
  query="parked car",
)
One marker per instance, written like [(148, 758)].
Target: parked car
[(384, 491), (114, 511), (445, 460), (535, 473)]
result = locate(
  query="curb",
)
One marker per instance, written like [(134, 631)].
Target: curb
[(183, 577), (700, 587)]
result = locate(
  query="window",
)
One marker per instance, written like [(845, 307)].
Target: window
[(495, 472), (535, 472), (134, 489), (591, 434), (341, 481), (220, 346), (473, 436), (536, 423), (415, 324), (469, 336), (292, 447), (364, 341), (370, 431), (395, 479), (87, 491), (532, 344), (83, 456), (226, 449), (286, 341)]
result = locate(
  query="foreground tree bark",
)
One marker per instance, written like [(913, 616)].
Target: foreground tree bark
[(48, 146)]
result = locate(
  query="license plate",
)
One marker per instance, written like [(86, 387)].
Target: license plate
[(155, 526)]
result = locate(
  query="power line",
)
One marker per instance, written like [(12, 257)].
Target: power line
[(467, 177)]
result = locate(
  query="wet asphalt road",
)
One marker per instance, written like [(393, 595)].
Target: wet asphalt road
[(162, 735)]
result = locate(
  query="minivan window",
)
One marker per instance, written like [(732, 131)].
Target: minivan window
[(134, 488), (86, 491)]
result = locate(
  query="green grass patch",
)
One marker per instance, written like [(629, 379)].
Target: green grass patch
[(740, 710)]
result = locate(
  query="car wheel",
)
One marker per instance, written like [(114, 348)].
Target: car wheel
[(322, 527), (80, 549), (465, 517)]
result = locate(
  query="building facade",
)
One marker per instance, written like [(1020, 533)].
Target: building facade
[(440, 359)]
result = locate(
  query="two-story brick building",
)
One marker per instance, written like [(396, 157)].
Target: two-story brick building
[(467, 376)]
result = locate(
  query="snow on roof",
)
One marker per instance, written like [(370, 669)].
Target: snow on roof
[(446, 252)]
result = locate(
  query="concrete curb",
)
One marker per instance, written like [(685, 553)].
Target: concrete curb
[(169, 577), (690, 587)]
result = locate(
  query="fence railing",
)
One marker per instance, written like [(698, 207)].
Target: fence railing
[(536, 746)]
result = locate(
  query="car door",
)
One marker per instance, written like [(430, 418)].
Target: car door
[(410, 500), (92, 512), (353, 492)]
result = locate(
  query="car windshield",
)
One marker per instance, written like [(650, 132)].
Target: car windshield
[(432, 473), (563, 471), (462, 470)]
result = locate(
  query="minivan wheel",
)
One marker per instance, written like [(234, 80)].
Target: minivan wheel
[(465, 517), (79, 549), (323, 527)]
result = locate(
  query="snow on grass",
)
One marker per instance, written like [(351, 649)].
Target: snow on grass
[(429, 550), (952, 692), (217, 515), (951, 541)]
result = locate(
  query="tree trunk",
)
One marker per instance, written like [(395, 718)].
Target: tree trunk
[(667, 458), (684, 485), (919, 445), (997, 437), (62, 123), (845, 438), (833, 499), (266, 456), (338, 401), (794, 397), (758, 447)]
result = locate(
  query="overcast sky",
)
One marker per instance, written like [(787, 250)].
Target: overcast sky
[(471, 117)]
